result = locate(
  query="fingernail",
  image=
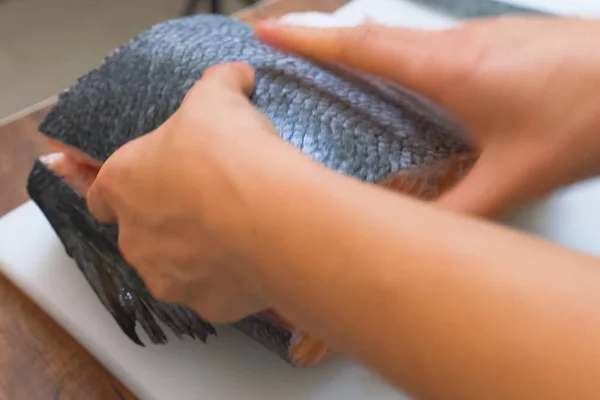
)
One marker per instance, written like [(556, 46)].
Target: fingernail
[(266, 30)]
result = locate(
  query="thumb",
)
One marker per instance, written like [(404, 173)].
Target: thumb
[(497, 182), (420, 60), (97, 204), (237, 77)]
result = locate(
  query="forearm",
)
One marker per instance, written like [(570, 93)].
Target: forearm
[(445, 306)]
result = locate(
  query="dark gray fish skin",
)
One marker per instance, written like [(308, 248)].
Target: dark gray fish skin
[(356, 128), (479, 8)]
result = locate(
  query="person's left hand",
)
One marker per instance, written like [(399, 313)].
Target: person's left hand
[(184, 221)]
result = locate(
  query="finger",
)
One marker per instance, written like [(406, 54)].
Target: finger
[(234, 76), (410, 57), (496, 183), (98, 206)]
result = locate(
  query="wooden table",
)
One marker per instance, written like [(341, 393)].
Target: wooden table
[(38, 359)]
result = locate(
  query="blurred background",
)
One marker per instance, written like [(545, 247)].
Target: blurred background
[(46, 44)]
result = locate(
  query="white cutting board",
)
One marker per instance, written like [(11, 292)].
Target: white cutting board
[(232, 366)]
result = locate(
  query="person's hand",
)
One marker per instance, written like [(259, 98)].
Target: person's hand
[(527, 90), (183, 222)]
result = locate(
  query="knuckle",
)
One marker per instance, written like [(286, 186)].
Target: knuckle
[(228, 306), (129, 251), (115, 167), (242, 68), (219, 77), (211, 304), (211, 72), (213, 313), (476, 71), (230, 71), (104, 185), (195, 92), (222, 70), (106, 177), (346, 43), (157, 289), (217, 69), (360, 35), (466, 58), (508, 21), (480, 58)]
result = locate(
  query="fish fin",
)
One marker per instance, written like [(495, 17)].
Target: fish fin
[(306, 350), (94, 248), (430, 181)]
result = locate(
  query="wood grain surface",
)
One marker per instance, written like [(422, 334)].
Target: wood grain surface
[(38, 359)]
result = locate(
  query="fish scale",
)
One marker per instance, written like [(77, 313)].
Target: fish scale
[(199, 44), (354, 124)]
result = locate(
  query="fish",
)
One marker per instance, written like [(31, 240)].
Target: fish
[(356, 125), (468, 9)]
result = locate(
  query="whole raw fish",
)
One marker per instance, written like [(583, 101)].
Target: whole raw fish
[(352, 124)]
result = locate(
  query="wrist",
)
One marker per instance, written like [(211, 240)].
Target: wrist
[(268, 177), (280, 192)]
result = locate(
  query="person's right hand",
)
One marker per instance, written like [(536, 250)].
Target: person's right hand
[(527, 90)]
